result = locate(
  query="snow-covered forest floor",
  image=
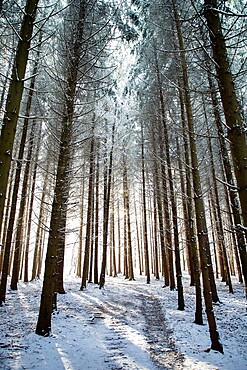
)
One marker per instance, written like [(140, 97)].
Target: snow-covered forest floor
[(127, 325)]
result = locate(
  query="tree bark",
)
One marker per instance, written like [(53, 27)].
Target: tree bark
[(198, 199), (107, 195), (14, 98), (127, 210), (144, 207), (236, 128), (235, 206), (56, 245), (89, 217)]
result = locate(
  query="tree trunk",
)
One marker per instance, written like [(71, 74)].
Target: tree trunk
[(236, 128), (59, 206), (23, 202), (138, 240), (13, 103), (40, 225), (231, 183), (127, 210), (219, 218), (172, 195), (198, 199), (107, 195), (29, 223), (90, 207), (79, 257), (144, 207), (96, 231)]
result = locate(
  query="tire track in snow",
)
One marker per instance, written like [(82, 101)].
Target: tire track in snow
[(161, 344), (138, 331)]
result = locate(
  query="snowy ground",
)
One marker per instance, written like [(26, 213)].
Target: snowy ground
[(128, 325)]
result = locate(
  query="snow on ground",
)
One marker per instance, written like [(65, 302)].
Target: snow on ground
[(127, 325)]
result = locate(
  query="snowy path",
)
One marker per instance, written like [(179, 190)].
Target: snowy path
[(128, 325), (121, 327)]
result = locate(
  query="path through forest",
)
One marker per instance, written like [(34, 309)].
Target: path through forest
[(123, 314), (127, 325), (120, 327)]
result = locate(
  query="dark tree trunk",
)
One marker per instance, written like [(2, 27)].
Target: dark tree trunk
[(236, 127), (144, 207), (198, 199), (235, 206), (96, 232), (107, 195), (56, 239), (172, 195), (12, 107), (127, 210), (89, 217)]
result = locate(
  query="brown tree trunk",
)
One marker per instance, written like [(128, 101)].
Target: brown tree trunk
[(189, 207), (11, 221), (236, 128), (198, 199), (40, 225), (144, 208), (29, 222), (219, 218), (79, 257), (172, 195), (156, 254), (12, 107), (89, 224), (6, 216), (107, 195), (140, 263), (96, 232), (235, 206), (127, 210), (59, 205), (23, 202)]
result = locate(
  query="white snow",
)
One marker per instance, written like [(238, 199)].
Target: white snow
[(127, 325)]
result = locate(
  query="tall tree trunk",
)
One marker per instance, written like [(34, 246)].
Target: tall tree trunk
[(6, 216), (13, 102), (29, 223), (189, 208), (119, 239), (198, 199), (235, 206), (11, 221), (107, 195), (127, 210), (164, 263), (23, 203), (138, 240), (144, 207), (167, 217), (236, 128), (156, 254), (219, 218), (79, 257), (96, 231), (59, 205), (172, 194), (40, 226), (90, 208)]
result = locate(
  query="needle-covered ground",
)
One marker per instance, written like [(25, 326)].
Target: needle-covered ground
[(126, 325)]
